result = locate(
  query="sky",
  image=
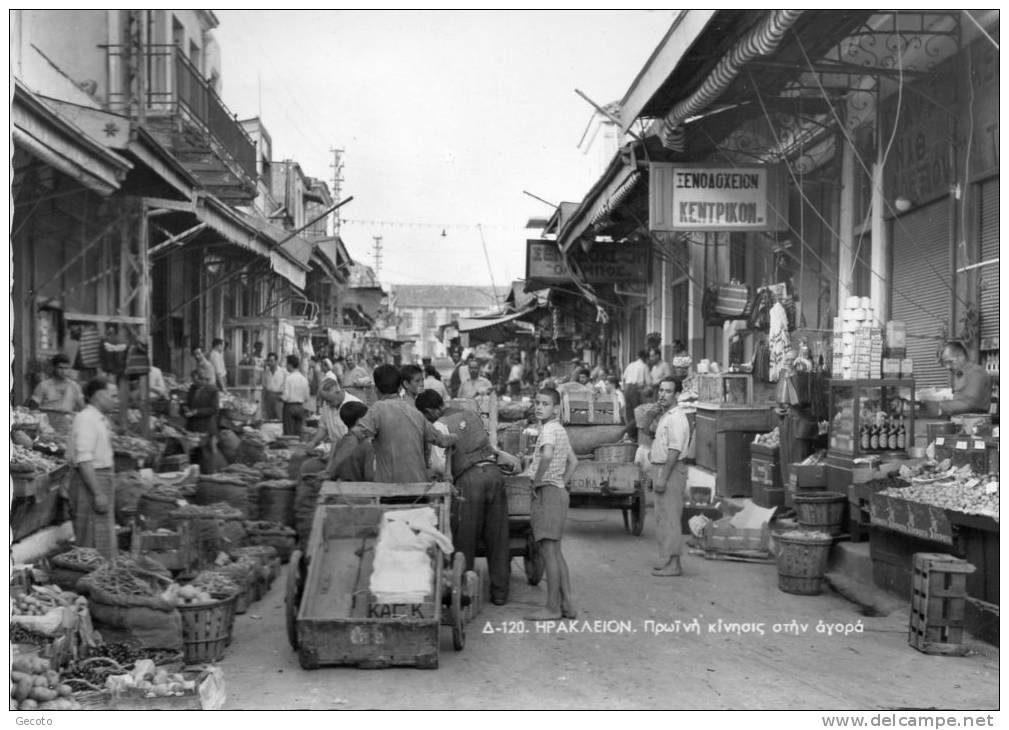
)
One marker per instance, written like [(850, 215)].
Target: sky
[(445, 118)]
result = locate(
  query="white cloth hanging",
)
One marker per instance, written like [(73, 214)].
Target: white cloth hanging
[(777, 341)]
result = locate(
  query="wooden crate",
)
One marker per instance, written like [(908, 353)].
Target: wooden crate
[(175, 550), (519, 491), (588, 408), (338, 621), (938, 603)]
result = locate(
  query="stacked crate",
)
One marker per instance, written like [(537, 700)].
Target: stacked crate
[(765, 476), (938, 603)]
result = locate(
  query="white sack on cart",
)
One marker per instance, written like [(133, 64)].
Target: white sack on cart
[(402, 571)]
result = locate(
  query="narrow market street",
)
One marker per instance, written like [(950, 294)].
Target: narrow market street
[(556, 669)]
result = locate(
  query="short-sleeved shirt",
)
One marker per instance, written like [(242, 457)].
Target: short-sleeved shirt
[(659, 371), (552, 433), (636, 374), (207, 369), (217, 360), (399, 432), (274, 381), (90, 440), (295, 388), (58, 395), (673, 432)]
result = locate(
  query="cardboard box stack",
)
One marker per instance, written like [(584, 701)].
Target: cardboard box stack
[(858, 344)]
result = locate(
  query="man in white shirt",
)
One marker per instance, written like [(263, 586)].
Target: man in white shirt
[(294, 396), (636, 378), (672, 450), (92, 482), (515, 375), (217, 360), (273, 386)]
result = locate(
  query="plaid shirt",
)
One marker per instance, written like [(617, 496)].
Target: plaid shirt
[(552, 433)]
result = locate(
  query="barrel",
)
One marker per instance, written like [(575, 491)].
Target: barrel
[(822, 511), (802, 561)]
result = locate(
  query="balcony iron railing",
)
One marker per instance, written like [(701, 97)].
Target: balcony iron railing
[(175, 86)]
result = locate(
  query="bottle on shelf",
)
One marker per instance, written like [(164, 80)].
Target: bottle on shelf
[(891, 439), (874, 438), (901, 435), (863, 436)]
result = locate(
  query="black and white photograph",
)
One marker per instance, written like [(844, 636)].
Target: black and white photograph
[(505, 360)]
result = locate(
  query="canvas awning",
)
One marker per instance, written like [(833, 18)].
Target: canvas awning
[(57, 141)]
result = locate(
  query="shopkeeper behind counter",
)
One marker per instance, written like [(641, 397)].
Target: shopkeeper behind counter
[(971, 384)]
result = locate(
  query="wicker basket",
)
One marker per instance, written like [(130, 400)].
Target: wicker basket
[(206, 630), (239, 495), (276, 501), (623, 451), (156, 510), (278, 536)]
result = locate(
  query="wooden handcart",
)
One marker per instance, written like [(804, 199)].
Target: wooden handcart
[(614, 485), (520, 536), (332, 616)]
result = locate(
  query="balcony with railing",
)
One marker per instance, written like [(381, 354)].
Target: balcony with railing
[(181, 106)]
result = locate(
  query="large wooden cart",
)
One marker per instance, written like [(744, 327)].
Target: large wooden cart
[(520, 534), (611, 484), (332, 616)]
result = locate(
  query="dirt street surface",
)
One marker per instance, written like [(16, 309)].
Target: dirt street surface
[(614, 656)]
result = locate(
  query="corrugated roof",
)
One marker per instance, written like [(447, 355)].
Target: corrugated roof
[(438, 296)]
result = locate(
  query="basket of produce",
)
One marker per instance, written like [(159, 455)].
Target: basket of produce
[(67, 568), (278, 536), (220, 587), (243, 577), (156, 506), (252, 448), (131, 603), (276, 501), (233, 489), (35, 685), (266, 555), (622, 451), (132, 452), (206, 623)]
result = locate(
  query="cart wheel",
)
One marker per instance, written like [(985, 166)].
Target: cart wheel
[(292, 598), (638, 512), (533, 561), (458, 619)]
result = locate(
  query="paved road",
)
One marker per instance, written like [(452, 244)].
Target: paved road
[(613, 657)]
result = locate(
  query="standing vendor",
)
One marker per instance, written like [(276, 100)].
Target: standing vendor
[(971, 384), (58, 393), (89, 452)]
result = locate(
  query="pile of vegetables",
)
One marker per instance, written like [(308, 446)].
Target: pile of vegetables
[(31, 605), (134, 446), (218, 585), (25, 460), (975, 495), (221, 510), (81, 558), (151, 681), (35, 685), (22, 417), (772, 438)]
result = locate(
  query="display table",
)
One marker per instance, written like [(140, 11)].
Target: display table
[(900, 528), (722, 438)]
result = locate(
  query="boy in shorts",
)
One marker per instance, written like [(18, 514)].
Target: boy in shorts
[(553, 464)]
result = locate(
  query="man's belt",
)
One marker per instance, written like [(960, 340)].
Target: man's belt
[(482, 462)]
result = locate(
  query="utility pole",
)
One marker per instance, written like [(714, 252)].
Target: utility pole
[(337, 166), (377, 253)]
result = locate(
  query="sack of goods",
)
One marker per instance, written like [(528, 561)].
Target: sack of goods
[(403, 571)]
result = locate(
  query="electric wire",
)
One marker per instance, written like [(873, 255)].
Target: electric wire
[(896, 218)]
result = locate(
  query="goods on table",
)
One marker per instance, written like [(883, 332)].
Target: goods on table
[(150, 680), (976, 495), (221, 510), (35, 685), (27, 461), (120, 581), (134, 446), (771, 439), (24, 418)]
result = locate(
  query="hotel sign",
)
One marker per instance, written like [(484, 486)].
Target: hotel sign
[(705, 198), (605, 263)]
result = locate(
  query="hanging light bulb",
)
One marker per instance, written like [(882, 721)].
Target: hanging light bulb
[(443, 234)]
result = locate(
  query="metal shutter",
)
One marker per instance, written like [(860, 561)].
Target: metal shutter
[(989, 250), (920, 293)]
